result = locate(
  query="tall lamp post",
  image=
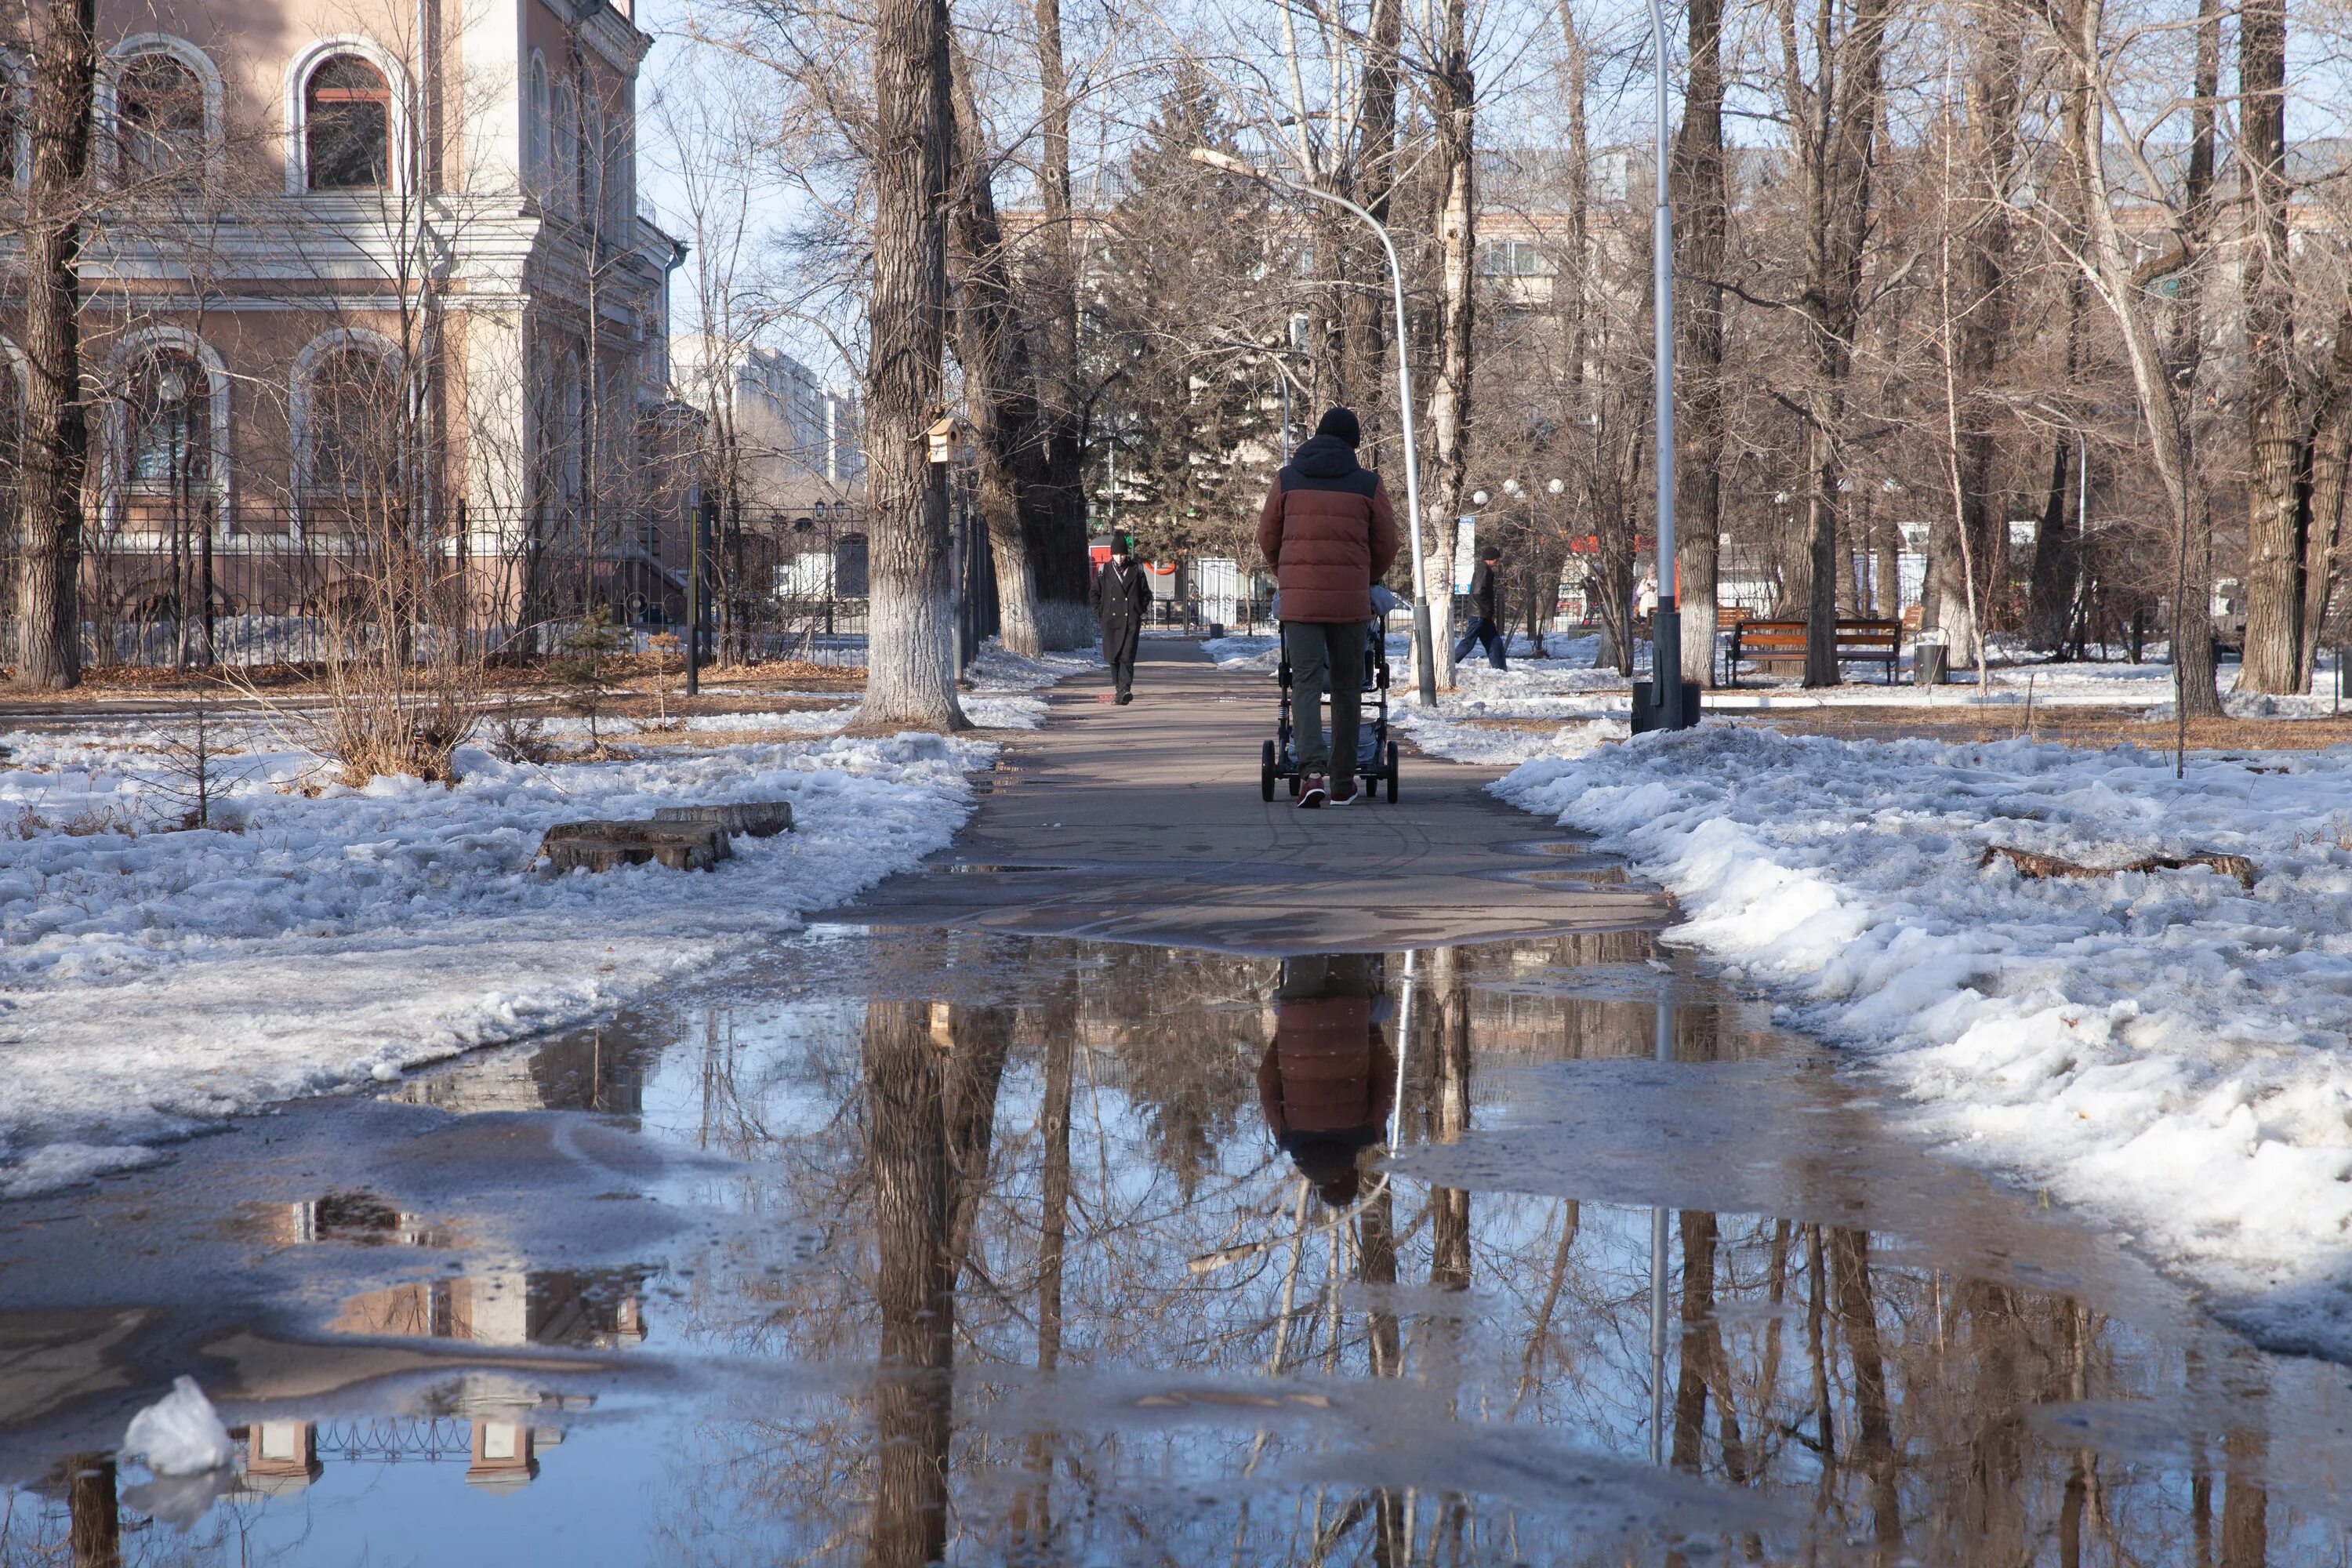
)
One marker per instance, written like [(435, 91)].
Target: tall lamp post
[(1422, 660), (1664, 709)]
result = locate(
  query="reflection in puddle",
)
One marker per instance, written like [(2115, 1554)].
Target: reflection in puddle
[(571, 1309), (1095, 1253), (358, 1218)]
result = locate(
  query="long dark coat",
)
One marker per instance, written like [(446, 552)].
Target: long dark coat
[(1122, 602)]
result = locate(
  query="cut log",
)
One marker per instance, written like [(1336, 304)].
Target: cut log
[(602, 846), (759, 818), (2032, 863)]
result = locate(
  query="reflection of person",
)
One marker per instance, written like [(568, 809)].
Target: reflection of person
[(1484, 629), (1122, 596), (1328, 531), (1328, 1079)]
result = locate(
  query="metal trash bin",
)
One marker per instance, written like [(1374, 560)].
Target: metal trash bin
[(1931, 663)]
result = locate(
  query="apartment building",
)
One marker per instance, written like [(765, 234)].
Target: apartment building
[(364, 264)]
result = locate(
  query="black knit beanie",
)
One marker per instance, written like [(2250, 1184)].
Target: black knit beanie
[(1341, 425)]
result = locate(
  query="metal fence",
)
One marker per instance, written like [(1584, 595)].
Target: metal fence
[(265, 589)]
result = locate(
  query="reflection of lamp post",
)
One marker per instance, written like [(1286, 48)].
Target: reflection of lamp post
[(1423, 662), (1664, 1048)]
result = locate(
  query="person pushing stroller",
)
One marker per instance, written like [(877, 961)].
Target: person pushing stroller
[(1329, 534)]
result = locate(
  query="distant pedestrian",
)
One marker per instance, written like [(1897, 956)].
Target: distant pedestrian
[(1484, 629), (1329, 535), (1122, 596)]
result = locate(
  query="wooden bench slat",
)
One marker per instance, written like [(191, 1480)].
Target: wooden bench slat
[(1860, 640)]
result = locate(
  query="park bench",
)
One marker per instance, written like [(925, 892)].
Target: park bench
[(1761, 643)]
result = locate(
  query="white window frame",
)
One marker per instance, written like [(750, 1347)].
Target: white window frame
[(537, 130), (297, 130), (116, 480), (106, 101), (300, 389)]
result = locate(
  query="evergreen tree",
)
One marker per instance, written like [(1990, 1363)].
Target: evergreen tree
[(1191, 299)]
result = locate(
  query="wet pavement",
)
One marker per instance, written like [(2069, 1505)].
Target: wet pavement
[(919, 1242)]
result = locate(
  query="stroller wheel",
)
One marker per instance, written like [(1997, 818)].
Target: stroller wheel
[(1265, 773), (1294, 785), (1393, 772)]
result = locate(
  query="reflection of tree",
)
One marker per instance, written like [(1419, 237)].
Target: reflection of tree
[(1013, 1200), (931, 1079)]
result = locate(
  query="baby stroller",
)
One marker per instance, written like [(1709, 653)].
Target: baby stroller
[(1376, 754)]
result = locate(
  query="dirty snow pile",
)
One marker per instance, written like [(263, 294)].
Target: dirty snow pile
[(1558, 706), (2166, 1049), (152, 982)]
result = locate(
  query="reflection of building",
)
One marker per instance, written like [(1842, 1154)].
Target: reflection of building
[(353, 1216), (601, 1070), (281, 1456), (578, 1310)]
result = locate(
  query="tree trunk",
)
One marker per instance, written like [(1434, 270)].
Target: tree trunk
[(2163, 387), (2049, 592), (911, 670), (1454, 109), (1054, 510), (2273, 425), (2329, 462), (914, 1285), (999, 383), (1702, 206), (57, 433), (1836, 121), (1363, 266)]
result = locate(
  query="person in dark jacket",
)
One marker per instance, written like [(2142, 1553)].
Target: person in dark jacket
[(1329, 535), (1122, 596), (1485, 628), (1328, 1081)]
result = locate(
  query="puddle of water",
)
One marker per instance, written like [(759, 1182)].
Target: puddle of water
[(1044, 1252)]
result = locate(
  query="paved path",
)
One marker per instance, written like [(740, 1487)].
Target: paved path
[(1144, 824)]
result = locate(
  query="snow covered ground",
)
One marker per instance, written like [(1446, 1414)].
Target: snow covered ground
[(2166, 1050), (154, 982)]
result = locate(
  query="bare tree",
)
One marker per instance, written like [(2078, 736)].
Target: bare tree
[(1832, 90), (1702, 205), (2274, 421), (1453, 110), (991, 344), (57, 432), (910, 660)]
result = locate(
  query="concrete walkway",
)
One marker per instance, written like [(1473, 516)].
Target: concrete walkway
[(1144, 824)]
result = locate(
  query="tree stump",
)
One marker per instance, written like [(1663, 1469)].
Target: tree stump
[(602, 846), (759, 818)]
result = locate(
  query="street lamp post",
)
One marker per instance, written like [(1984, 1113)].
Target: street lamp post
[(1665, 689), (1423, 663)]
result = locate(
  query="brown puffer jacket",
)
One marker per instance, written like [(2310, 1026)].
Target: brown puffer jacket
[(1328, 532)]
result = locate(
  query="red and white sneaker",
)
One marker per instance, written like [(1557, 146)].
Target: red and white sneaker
[(1354, 793), (1315, 793)]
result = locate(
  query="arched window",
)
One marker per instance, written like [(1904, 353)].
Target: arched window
[(591, 161), (352, 429), (159, 122), (15, 122), (347, 126), (563, 169), (535, 111), (167, 423)]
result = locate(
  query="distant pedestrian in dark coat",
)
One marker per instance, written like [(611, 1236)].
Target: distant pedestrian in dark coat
[(1122, 599), (1485, 627)]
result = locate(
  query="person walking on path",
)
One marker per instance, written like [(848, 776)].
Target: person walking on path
[(1122, 596), (1329, 535), (1484, 629)]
